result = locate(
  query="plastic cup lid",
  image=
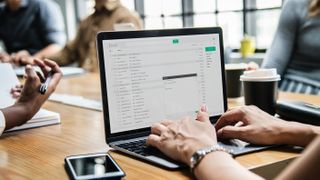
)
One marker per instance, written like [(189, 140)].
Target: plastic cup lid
[(260, 75)]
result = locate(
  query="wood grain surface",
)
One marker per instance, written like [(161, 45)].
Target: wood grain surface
[(39, 153)]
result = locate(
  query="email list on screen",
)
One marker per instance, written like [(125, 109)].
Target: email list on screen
[(155, 78)]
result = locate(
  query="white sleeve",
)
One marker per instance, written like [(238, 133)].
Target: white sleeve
[(2, 123)]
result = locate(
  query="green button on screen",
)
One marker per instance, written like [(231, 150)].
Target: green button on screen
[(175, 41), (210, 48)]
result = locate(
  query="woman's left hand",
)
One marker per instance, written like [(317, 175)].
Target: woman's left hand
[(180, 139)]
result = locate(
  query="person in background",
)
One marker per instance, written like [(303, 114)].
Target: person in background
[(29, 99), (181, 139), (82, 50), (295, 50), (30, 29)]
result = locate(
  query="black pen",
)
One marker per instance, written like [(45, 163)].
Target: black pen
[(44, 86)]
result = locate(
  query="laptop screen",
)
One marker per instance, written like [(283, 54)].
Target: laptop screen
[(167, 77)]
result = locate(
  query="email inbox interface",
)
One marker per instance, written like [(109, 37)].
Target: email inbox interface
[(155, 78)]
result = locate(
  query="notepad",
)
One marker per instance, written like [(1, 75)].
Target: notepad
[(8, 79)]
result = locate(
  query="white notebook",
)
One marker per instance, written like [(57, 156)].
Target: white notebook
[(8, 80)]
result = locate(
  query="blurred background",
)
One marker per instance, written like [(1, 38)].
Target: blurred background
[(257, 18)]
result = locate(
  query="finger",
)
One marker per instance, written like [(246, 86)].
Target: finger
[(16, 94), (203, 116), (53, 65), (40, 76), (230, 117), (204, 108), (167, 122), (57, 73), (23, 61), (45, 69), (14, 58), (19, 86), (153, 140), (158, 128), (239, 124), (31, 75), (15, 89), (232, 132)]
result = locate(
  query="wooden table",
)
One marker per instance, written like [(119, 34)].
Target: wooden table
[(39, 153)]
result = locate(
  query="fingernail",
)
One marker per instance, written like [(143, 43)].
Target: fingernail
[(204, 108)]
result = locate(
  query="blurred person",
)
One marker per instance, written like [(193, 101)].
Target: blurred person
[(29, 99), (295, 50), (30, 29), (180, 140), (82, 50)]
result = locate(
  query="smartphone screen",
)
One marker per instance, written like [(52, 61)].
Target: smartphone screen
[(93, 166)]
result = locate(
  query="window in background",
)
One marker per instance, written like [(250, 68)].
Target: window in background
[(261, 4), (84, 8), (204, 13), (262, 20), (129, 4), (258, 18), (264, 27), (162, 14), (232, 25), (230, 5), (204, 6)]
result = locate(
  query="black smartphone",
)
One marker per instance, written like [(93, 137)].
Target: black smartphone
[(93, 166)]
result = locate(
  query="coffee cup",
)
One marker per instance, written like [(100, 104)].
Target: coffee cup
[(261, 88), (233, 83)]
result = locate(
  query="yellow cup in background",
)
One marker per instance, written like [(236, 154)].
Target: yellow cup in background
[(248, 46)]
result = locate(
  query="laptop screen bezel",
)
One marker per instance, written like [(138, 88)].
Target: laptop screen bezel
[(101, 36)]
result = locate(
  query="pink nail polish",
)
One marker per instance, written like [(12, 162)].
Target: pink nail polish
[(204, 108)]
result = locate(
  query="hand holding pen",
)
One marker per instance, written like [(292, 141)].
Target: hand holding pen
[(34, 93), (29, 99), (44, 86)]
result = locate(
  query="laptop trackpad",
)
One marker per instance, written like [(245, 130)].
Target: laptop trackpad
[(240, 147)]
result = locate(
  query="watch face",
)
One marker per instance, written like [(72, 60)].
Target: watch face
[(196, 157)]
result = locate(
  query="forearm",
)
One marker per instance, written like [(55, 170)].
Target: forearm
[(16, 115), (305, 167), (65, 56), (48, 51), (220, 165), (293, 133)]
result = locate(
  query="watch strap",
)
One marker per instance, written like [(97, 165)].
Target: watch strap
[(201, 153)]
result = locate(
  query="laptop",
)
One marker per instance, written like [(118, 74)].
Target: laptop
[(150, 75)]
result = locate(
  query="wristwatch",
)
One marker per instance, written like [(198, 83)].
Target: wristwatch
[(201, 153)]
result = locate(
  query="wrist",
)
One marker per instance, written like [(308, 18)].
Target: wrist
[(223, 159), (294, 133), (26, 108), (192, 148), (201, 153)]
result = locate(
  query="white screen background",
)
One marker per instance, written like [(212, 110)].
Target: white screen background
[(155, 78)]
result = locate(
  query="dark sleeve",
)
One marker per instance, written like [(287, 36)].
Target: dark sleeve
[(281, 50), (52, 23)]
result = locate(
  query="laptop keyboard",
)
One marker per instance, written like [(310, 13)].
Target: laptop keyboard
[(140, 147)]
